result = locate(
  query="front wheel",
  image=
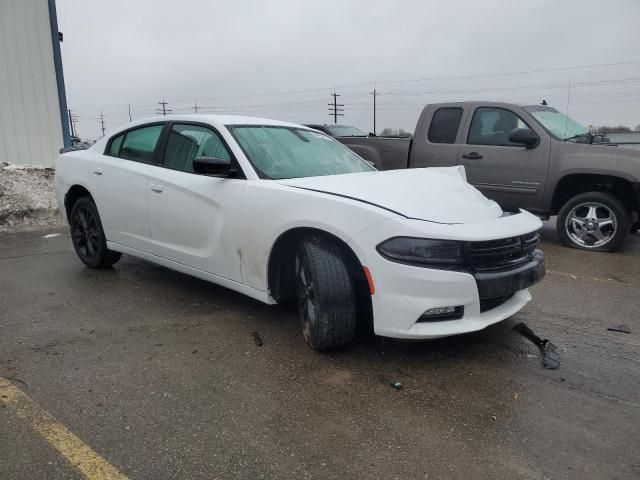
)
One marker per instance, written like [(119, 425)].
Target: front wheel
[(88, 236), (326, 294), (593, 221)]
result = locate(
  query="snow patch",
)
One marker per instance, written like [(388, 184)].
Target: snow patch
[(27, 197)]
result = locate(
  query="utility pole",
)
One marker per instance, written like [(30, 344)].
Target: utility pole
[(73, 119), (195, 106), (164, 110), (129, 105), (375, 94), (101, 120), (334, 107)]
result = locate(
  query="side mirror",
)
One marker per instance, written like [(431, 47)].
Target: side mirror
[(524, 136), (212, 166)]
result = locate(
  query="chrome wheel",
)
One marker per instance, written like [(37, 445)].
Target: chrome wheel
[(591, 224)]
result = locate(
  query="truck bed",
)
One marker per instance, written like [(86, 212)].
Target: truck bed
[(386, 153)]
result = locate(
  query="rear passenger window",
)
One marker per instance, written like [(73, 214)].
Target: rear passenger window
[(187, 142), (116, 143), (140, 143), (444, 125)]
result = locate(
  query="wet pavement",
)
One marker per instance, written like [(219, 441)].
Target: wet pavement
[(160, 374)]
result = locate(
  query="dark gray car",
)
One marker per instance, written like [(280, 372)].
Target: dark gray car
[(530, 157)]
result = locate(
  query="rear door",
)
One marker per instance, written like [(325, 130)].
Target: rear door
[(121, 185), (438, 137), (193, 217), (506, 172)]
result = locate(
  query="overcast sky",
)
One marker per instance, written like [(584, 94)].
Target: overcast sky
[(281, 59)]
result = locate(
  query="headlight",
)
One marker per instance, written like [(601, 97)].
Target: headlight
[(422, 251)]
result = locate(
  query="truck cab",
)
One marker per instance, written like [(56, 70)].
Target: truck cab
[(476, 135)]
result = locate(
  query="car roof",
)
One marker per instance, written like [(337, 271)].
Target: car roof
[(214, 120)]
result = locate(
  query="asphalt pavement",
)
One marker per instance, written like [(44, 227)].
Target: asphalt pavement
[(158, 375)]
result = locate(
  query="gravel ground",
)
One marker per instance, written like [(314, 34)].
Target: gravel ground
[(27, 198)]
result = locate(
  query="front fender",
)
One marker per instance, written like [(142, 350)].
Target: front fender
[(266, 220)]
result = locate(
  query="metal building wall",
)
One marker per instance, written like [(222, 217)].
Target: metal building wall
[(31, 120)]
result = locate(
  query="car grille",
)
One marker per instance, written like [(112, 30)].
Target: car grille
[(502, 254), (490, 303)]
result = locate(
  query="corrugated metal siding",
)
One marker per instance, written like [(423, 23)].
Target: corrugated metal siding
[(30, 124)]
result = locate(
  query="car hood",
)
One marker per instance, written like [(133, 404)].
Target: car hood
[(432, 194)]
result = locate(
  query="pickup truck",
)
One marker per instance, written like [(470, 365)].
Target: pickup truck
[(529, 157)]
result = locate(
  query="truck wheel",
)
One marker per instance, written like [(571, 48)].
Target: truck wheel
[(326, 294), (593, 221), (88, 236), (635, 227)]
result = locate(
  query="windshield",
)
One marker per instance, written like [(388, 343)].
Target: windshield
[(288, 152), (344, 131), (558, 124)]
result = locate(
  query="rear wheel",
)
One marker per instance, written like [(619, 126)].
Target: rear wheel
[(88, 236), (593, 221), (326, 294), (635, 227)]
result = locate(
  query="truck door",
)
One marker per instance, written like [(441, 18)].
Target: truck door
[(438, 137), (508, 173)]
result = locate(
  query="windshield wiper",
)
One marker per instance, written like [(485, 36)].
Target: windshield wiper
[(577, 136)]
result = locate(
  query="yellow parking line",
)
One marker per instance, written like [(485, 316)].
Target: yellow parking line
[(91, 465)]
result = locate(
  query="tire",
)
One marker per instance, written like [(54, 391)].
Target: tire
[(635, 227), (595, 221), (88, 237), (326, 294)]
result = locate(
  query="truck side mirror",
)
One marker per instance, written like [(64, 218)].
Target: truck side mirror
[(524, 136)]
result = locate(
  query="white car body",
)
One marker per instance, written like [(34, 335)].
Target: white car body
[(224, 229)]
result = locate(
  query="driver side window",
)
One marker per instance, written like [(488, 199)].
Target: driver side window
[(492, 126), (187, 142)]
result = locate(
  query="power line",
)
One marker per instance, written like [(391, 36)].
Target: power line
[(424, 79), (334, 108), (163, 110), (522, 72)]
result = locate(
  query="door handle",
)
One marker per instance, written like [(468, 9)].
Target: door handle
[(156, 188), (472, 156), (97, 171)]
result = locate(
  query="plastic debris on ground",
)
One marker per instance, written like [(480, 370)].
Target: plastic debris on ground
[(620, 328), (550, 354)]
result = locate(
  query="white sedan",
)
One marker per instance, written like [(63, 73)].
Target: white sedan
[(279, 211)]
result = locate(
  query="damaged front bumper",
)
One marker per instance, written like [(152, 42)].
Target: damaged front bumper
[(504, 283)]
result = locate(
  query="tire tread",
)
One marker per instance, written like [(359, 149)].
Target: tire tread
[(335, 293)]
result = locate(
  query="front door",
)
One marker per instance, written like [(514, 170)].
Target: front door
[(506, 172), (192, 217)]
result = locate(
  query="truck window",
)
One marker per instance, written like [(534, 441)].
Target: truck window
[(492, 126), (444, 125)]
